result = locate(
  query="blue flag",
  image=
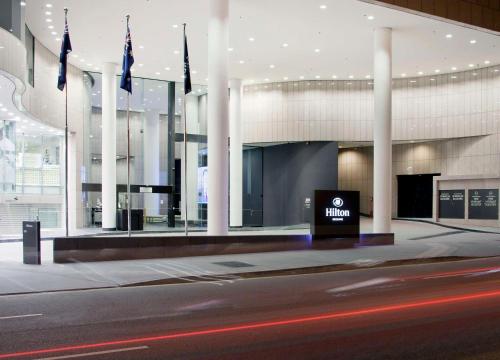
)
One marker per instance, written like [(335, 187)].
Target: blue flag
[(128, 61), (63, 57), (187, 71)]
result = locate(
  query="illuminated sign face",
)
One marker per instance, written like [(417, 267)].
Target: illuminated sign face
[(336, 213)]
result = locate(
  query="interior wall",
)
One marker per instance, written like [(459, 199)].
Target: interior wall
[(424, 108), (291, 173), (473, 156)]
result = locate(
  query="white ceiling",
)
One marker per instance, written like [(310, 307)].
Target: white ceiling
[(342, 33)]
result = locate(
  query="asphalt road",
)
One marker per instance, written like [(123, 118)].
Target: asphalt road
[(433, 311)]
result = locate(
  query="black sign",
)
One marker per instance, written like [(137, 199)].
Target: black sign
[(483, 204), (31, 242), (452, 204), (336, 214)]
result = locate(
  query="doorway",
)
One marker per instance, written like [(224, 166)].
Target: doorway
[(415, 195)]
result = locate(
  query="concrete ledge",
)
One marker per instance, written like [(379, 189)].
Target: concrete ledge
[(107, 248)]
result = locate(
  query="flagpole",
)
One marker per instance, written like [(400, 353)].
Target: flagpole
[(129, 215), (66, 137), (185, 158), (185, 171)]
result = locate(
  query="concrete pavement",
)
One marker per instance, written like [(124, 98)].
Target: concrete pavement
[(414, 240)]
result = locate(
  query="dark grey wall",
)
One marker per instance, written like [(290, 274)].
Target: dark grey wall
[(252, 186), (10, 16), (291, 173)]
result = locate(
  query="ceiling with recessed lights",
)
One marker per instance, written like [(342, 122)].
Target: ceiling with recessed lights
[(268, 40)]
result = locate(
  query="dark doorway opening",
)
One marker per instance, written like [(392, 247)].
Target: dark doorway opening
[(415, 195)]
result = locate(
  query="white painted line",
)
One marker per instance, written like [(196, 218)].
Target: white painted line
[(95, 353), (19, 316)]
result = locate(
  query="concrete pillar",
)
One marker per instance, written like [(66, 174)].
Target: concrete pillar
[(108, 169), (152, 159), (382, 135), (235, 155), (217, 131)]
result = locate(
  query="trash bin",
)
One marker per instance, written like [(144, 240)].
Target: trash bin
[(136, 220), (31, 242)]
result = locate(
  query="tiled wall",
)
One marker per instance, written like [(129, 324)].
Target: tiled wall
[(428, 107), (481, 13), (478, 156)]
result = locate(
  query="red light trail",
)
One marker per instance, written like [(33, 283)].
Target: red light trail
[(268, 324)]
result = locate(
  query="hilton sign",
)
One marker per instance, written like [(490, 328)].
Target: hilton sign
[(336, 214)]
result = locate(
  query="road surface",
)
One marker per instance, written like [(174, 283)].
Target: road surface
[(431, 311)]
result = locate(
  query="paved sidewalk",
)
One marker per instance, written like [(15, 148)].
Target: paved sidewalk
[(414, 240)]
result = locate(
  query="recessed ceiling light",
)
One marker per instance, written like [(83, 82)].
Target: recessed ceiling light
[(473, 41), (54, 32), (176, 52), (157, 73), (317, 50), (449, 36), (82, 60), (251, 39), (453, 77), (420, 73), (471, 65), (367, 76), (175, 26), (318, 77), (48, 13), (413, 81), (284, 45), (48, 20), (141, 46), (323, 7), (141, 65), (370, 17), (242, 61), (48, 5), (194, 72), (22, 3), (167, 68), (58, 39), (453, 68), (285, 78), (230, 49), (301, 77), (351, 76), (437, 71), (271, 66), (50, 27), (432, 79), (266, 79), (403, 75), (486, 62)]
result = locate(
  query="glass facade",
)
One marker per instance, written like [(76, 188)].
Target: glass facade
[(149, 147)]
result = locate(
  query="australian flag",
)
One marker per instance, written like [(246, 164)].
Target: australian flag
[(63, 57), (187, 71), (128, 61)]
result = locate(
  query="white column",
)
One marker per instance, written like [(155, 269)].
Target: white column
[(382, 136), (217, 131), (235, 154), (152, 159), (108, 169), (192, 162)]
